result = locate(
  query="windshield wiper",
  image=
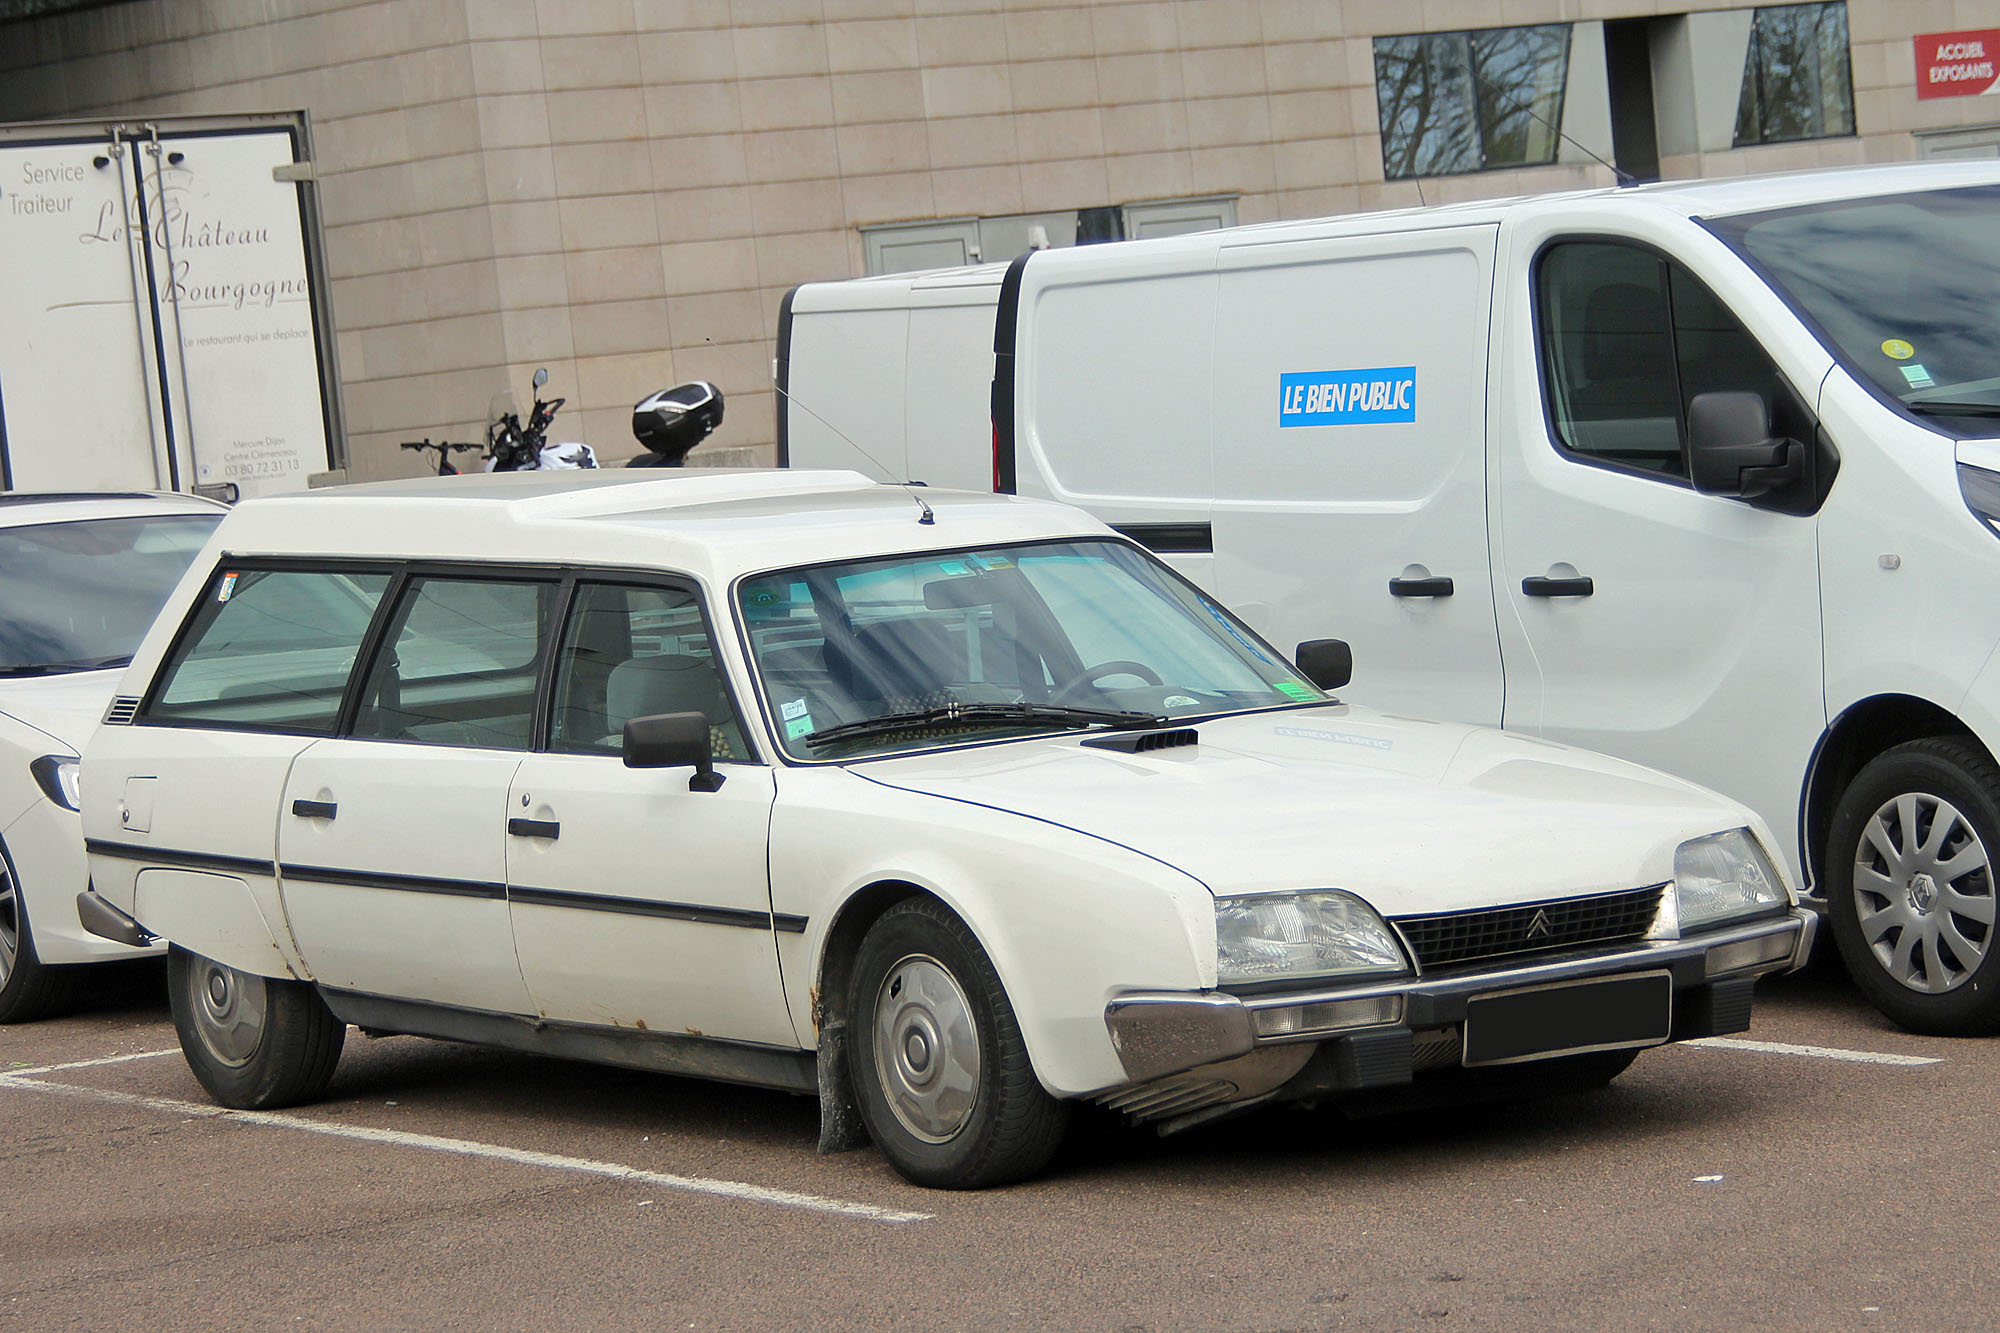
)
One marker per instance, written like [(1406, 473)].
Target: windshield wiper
[(1947, 407), (64, 668), (1060, 714)]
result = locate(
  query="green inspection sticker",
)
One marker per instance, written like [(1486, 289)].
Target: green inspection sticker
[(1303, 693), (799, 726)]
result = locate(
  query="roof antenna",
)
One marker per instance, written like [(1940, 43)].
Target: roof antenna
[(1618, 174), (927, 519)]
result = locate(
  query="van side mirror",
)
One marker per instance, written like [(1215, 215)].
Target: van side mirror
[(673, 740), (1730, 449), (1327, 663)]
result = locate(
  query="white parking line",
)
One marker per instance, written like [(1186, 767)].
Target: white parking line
[(89, 1064), (20, 1078), (1817, 1052)]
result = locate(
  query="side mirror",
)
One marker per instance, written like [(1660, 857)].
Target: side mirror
[(1327, 663), (541, 377), (1730, 449), (673, 740)]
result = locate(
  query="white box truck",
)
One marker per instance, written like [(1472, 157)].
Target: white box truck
[(163, 323), (1705, 475)]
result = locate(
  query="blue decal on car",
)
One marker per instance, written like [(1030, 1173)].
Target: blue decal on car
[(1347, 397)]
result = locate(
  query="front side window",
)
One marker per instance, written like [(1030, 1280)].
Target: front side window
[(1628, 338), (459, 664), (1901, 288), (79, 596), (631, 651), (1470, 101), (268, 649), (895, 654), (1798, 78)]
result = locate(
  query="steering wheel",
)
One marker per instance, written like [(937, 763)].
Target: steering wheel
[(1067, 691)]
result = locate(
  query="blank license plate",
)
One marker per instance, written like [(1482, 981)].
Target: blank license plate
[(1569, 1017)]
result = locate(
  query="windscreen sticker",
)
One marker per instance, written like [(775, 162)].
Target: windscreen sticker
[(1337, 737), (799, 726), (1898, 350), (1347, 397), (1301, 692), (991, 562), (796, 708), (955, 568), (228, 587), (1179, 701), (1918, 377)]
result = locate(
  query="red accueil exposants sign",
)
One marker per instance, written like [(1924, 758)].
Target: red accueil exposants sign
[(1958, 64)]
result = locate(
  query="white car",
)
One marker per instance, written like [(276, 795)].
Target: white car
[(949, 809), (81, 577)]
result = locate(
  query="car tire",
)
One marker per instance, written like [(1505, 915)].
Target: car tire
[(29, 988), (940, 1071), (254, 1042), (1911, 895)]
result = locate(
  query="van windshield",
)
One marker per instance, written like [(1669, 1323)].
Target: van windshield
[(1902, 288), (912, 652)]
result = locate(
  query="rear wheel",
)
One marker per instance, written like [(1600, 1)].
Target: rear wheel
[(939, 1067), (254, 1042), (29, 988), (1910, 886)]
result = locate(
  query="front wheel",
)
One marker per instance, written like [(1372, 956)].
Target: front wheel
[(1910, 886), (940, 1070), (254, 1042)]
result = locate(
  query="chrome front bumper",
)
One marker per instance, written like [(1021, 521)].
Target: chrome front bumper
[(1158, 1034)]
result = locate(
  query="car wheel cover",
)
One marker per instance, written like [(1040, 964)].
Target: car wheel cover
[(228, 1011), (1923, 892), (926, 1047), (10, 926)]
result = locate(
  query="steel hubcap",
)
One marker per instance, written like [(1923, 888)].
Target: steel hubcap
[(228, 1011), (926, 1048), (1923, 892)]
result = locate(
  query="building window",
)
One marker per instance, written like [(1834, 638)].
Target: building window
[(1470, 101), (1798, 82)]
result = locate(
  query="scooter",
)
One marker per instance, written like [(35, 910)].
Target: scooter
[(668, 423), (513, 447)]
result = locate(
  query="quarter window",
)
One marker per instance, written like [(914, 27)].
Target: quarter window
[(268, 649), (636, 652), (459, 665), (1628, 338)]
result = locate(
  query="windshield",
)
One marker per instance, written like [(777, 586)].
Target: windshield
[(79, 596), (1903, 289), (940, 649)]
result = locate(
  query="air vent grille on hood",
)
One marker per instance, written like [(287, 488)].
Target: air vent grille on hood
[(1142, 742)]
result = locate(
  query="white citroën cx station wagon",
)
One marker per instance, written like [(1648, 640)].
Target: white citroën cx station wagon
[(948, 808)]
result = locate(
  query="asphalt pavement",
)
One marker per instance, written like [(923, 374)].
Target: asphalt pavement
[(1827, 1171)]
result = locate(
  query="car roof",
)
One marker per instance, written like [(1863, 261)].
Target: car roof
[(22, 508), (709, 522)]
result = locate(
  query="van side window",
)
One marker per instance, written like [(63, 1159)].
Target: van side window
[(459, 664), (1628, 338), (632, 651), (268, 650)]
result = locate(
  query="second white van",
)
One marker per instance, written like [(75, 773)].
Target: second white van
[(1705, 475)]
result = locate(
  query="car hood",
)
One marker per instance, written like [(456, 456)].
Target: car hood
[(1414, 816), (66, 708)]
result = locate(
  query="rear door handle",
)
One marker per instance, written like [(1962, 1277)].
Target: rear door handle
[(534, 828), (1540, 586), (314, 809), (1438, 585)]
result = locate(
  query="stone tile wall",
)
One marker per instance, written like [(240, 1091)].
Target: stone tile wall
[(623, 190)]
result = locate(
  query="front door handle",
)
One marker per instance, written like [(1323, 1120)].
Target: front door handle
[(1438, 585), (1540, 586), (305, 809), (534, 828)]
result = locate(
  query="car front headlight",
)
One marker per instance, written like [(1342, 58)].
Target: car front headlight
[(58, 777), (1312, 933), (1724, 876)]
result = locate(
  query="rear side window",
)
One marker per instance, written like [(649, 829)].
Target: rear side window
[(1628, 338), (268, 649)]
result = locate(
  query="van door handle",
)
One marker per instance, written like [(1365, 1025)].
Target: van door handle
[(1438, 585), (305, 809), (534, 828), (1539, 586)]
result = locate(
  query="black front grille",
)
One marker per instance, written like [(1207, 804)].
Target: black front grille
[(1454, 938)]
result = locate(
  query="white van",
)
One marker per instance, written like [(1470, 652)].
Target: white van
[(1703, 475)]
